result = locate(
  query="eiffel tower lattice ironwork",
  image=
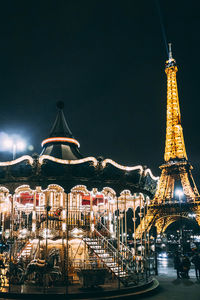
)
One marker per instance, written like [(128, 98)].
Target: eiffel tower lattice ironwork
[(176, 195)]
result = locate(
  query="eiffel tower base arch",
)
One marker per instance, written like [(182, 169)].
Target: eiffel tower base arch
[(164, 222), (161, 216)]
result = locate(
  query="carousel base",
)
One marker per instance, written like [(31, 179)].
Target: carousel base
[(109, 291)]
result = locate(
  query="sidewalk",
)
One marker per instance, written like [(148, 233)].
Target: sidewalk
[(171, 288)]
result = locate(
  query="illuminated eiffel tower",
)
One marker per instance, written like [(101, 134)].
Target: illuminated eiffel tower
[(176, 195)]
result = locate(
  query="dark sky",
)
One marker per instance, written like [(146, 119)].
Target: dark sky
[(105, 60)]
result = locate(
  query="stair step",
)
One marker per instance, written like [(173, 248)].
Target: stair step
[(108, 259), (26, 251), (111, 264), (116, 269), (121, 273)]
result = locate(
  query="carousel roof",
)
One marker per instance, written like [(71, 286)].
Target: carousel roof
[(60, 127), (44, 170), (61, 163), (61, 143)]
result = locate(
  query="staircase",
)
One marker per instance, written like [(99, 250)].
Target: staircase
[(114, 260), (26, 251)]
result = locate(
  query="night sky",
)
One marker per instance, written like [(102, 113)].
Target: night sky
[(105, 60)]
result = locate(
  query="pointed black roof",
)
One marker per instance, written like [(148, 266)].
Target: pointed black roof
[(60, 127), (61, 143)]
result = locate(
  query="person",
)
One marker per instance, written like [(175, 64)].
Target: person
[(186, 266), (196, 261), (2, 265), (177, 264)]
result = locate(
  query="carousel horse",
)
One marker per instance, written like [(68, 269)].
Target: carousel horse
[(52, 215), (15, 272), (42, 267)]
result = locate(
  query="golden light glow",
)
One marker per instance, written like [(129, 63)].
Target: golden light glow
[(112, 162), (60, 139), (24, 188), (174, 147), (80, 189), (172, 170), (174, 143), (3, 189), (107, 190), (16, 161), (55, 187), (68, 162), (148, 171)]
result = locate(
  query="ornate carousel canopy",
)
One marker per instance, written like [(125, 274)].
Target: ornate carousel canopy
[(44, 170), (61, 163)]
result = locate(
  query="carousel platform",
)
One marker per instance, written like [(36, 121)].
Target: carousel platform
[(108, 291)]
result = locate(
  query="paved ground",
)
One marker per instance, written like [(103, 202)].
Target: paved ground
[(172, 288)]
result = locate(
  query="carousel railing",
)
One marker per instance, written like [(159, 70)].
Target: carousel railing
[(124, 269), (78, 264), (36, 252), (123, 248)]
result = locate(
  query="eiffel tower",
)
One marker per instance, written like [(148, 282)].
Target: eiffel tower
[(176, 195)]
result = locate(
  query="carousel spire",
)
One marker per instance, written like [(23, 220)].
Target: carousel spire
[(60, 127), (61, 143)]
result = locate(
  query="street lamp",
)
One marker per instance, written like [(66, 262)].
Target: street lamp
[(14, 144), (180, 193)]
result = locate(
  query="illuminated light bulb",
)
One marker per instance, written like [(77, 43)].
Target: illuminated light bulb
[(21, 145), (7, 143)]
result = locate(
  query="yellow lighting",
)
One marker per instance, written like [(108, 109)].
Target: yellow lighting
[(68, 162), (16, 161), (174, 143), (60, 139), (33, 227), (151, 175), (174, 147), (112, 162)]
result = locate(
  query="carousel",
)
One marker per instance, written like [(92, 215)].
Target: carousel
[(69, 220)]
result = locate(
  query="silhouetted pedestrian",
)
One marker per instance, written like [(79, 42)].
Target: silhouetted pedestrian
[(177, 264), (186, 266), (196, 261)]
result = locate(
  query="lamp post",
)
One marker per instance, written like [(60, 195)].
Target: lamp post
[(47, 207), (180, 193), (14, 144), (118, 240)]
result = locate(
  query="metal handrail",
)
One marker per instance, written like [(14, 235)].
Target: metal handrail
[(119, 255), (37, 248), (126, 250), (121, 244), (103, 237), (131, 268)]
